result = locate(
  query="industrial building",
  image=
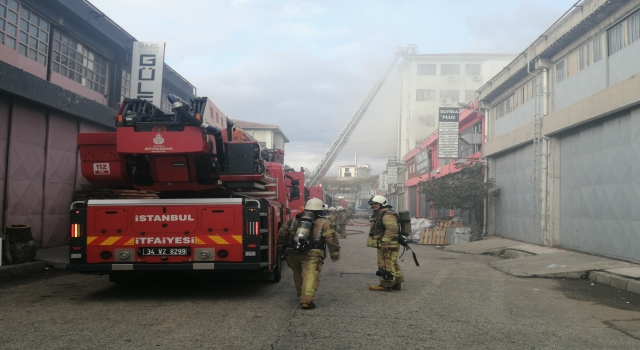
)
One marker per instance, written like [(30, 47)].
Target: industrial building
[(64, 68), (563, 134)]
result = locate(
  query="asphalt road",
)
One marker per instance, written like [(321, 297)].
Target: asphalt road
[(452, 301)]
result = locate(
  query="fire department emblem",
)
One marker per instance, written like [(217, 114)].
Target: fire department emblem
[(158, 140)]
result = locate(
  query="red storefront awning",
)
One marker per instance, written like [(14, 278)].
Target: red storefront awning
[(414, 181)]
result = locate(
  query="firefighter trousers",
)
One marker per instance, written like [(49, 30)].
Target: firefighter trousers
[(388, 260), (306, 275), (342, 231)]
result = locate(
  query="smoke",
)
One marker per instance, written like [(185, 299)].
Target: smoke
[(526, 22), (307, 66)]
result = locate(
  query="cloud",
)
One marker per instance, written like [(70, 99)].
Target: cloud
[(307, 66)]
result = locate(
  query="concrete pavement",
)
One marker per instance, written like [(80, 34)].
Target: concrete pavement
[(451, 301), (530, 260), (56, 258), (521, 260)]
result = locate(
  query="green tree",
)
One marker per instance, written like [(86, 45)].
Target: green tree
[(464, 189)]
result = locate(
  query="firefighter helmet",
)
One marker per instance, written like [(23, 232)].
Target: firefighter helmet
[(332, 209), (340, 208), (314, 204), (378, 199)]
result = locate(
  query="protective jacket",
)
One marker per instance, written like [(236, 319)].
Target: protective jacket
[(332, 218), (323, 236), (341, 218), (384, 229)]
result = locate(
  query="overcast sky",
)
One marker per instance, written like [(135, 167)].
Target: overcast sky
[(307, 66)]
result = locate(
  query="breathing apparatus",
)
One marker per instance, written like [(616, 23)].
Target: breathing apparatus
[(302, 240)]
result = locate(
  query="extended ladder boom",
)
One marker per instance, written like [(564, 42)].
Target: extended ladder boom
[(321, 170)]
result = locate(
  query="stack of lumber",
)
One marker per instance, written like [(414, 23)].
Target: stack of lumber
[(438, 233), (92, 192)]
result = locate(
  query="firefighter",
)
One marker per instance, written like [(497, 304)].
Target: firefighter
[(306, 237), (383, 235), (332, 217), (341, 222), (325, 210)]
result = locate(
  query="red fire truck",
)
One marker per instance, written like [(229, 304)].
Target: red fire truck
[(221, 198)]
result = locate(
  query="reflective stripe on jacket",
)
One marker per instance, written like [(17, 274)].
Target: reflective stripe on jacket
[(384, 229)]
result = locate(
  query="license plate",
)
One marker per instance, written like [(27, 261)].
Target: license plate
[(165, 251)]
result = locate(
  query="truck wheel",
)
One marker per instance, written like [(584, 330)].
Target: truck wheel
[(276, 274)]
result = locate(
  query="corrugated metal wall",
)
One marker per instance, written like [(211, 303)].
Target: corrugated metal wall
[(38, 168), (28, 137), (5, 109), (60, 177), (600, 188), (514, 207)]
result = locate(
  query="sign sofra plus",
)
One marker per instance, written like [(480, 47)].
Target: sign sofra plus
[(448, 125), (146, 71)]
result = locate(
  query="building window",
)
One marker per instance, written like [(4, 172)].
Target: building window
[(597, 49), (583, 57), (505, 106), (624, 33), (469, 149), (633, 28), (165, 106), (560, 72), (77, 62), (616, 39), (454, 95), (9, 23), (425, 95), (34, 36), (125, 85), (427, 69), (469, 95), (472, 69), (449, 69)]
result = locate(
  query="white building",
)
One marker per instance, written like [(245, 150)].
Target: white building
[(563, 134), (354, 171), (270, 136), (430, 81)]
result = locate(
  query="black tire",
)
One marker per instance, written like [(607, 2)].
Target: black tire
[(276, 274), (18, 233)]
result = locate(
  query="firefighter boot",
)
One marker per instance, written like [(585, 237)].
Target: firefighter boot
[(380, 288), (397, 286), (307, 306)]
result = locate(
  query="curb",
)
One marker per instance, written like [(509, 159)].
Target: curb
[(21, 269), (617, 281)]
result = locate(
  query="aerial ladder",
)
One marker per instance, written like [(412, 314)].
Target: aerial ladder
[(321, 170)]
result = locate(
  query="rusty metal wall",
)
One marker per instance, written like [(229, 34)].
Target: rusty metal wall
[(25, 176)]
